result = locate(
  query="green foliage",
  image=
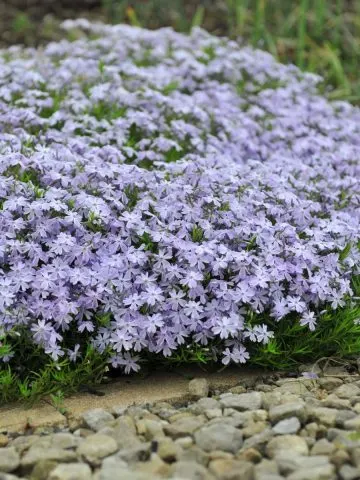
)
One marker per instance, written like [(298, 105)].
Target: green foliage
[(106, 111), (28, 175), (46, 376), (94, 223), (22, 23), (132, 193), (197, 234)]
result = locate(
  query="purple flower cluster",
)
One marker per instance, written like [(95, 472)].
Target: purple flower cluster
[(158, 189)]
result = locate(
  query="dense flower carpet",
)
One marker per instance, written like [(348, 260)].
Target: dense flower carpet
[(158, 189)]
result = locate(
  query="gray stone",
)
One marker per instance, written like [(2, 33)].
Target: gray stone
[(296, 387), (184, 426), (121, 473), (253, 428), (8, 476), (24, 443), (118, 410), (204, 404), (291, 443), (288, 462), (228, 469), (344, 416), (258, 441), (355, 456), (323, 447), (348, 390), (236, 419), (71, 471), (287, 426), (280, 412), (64, 440), (139, 453), (124, 432), (195, 454), (243, 401), (96, 447), (9, 459), (326, 472), (324, 415), (36, 454), (190, 471), (346, 472), (199, 387), (266, 466), (154, 467), (352, 423), (344, 439), (150, 429), (272, 398), (268, 476), (97, 418), (42, 469), (333, 401), (168, 450), (213, 413), (330, 383), (219, 437)]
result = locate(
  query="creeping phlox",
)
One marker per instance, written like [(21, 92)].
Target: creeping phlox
[(158, 189)]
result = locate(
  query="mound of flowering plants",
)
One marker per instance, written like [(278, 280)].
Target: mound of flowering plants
[(162, 193)]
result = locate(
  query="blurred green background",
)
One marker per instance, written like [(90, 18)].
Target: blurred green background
[(321, 36)]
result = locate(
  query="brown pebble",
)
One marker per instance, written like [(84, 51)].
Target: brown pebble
[(4, 440), (250, 454), (339, 457)]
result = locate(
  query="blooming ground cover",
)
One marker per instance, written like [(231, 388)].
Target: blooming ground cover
[(163, 193)]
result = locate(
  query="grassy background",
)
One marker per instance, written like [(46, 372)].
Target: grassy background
[(321, 36)]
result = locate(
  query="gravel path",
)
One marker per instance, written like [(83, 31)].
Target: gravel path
[(294, 428)]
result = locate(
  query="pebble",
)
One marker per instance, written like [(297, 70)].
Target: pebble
[(280, 412), (96, 447), (97, 418), (347, 391), (71, 471), (4, 440), (323, 447), (347, 472), (184, 426), (326, 472), (219, 437), (199, 388), (287, 426), (228, 469), (243, 401), (9, 459), (289, 443), (293, 429)]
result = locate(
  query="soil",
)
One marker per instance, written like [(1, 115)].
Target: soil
[(35, 22)]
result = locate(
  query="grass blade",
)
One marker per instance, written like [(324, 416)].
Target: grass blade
[(198, 17), (259, 26), (320, 18), (304, 6)]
